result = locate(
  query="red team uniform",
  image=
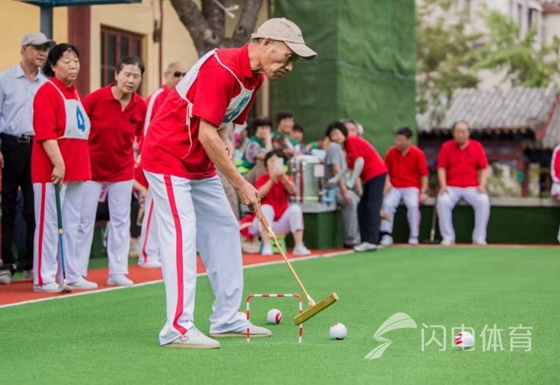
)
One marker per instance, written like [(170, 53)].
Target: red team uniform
[(191, 209), (58, 115)]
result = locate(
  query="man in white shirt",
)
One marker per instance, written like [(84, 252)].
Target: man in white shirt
[(18, 86)]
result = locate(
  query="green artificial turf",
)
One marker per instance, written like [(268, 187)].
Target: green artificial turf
[(111, 337)]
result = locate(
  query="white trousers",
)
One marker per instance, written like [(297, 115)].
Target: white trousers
[(290, 222), (118, 242), (411, 199), (480, 203), (149, 251), (555, 192), (193, 215), (46, 251)]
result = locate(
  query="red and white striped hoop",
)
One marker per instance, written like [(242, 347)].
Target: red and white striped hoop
[(248, 313)]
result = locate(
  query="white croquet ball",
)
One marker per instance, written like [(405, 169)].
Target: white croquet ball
[(338, 331), (274, 316), (464, 340)]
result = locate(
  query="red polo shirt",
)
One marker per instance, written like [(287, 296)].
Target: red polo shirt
[(169, 148), (556, 165), (357, 147), (112, 134), (49, 123), (277, 197), (462, 165), (406, 169)]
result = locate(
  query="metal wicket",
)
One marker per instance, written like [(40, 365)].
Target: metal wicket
[(248, 313)]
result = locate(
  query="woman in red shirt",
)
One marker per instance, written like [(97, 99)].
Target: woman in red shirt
[(60, 156), (275, 189), (117, 116), (372, 175)]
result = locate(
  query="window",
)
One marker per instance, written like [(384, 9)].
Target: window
[(520, 15), (116, 44)]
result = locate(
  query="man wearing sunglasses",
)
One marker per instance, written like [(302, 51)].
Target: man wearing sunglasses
[(148, 249)]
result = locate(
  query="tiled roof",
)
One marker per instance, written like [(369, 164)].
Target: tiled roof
[(498, 109)]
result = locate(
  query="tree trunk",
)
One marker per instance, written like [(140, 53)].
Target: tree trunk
[(207, 25)]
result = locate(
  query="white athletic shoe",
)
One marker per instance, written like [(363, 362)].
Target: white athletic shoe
[(194, 339), (301, 250), (254, 331), (119, 280), (386, 240), (134, 251), (5, 277), (413, 241), (83, 284), (480, 243), (52, 287), (150, 265), (267, 250), (365, 246), (447, 242)]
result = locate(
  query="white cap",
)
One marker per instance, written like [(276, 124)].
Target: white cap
[(285, 31)]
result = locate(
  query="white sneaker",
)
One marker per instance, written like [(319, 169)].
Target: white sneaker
[(386, 240), (254, 331), (119, 280), (5, 277), (480, 243), (194, 339), (83, 284), (447, 242), (150, 265), (301, 250), (365, 246), (52, 287), (267, 250), (413, 241), (134, 251)]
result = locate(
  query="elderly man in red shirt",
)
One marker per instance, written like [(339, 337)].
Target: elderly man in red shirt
[(407, 180), (462, 173), (182, 149), (149, 248), (555, 174)]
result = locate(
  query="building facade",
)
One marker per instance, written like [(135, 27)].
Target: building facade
[(105, 33)]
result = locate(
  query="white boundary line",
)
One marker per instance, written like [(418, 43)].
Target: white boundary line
[(311, 257)]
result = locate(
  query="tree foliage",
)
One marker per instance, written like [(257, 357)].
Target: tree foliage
[(450, 55)]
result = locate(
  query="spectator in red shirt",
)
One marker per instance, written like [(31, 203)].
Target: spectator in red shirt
[(60, 156), (407, 180), (373, 176), (183, 147), (275, 189), (555, 174), (117, 117), (462, 173)]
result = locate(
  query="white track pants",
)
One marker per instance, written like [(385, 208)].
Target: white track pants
[(290, 222), (411, 199), (118, 243), (193, 215), (555, 192), (149, 251), (480, 203), (46, 253)]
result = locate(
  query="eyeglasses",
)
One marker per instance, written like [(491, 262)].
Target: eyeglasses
[(179, 74)]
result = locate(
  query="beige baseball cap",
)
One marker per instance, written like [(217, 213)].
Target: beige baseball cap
[(37, 39), (286, 31)]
